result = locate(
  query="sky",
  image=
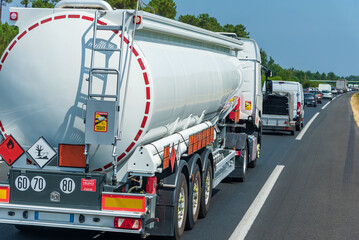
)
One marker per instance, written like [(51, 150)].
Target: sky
[(315, 35)]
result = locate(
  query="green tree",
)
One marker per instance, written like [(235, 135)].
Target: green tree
[(43, 4), (123, 4), (203, 21), (239, 29), (264, 57), (165, 8), (189, 19), (7, 33), (209, 23), (3, 3), (25, 3)]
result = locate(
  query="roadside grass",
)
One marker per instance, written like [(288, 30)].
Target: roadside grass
[(354, 102)]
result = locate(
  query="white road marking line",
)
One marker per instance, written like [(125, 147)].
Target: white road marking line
[(248, 219), (301, 134), (326, 105), (98, 235)]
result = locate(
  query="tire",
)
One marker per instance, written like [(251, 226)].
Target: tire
[(252, 164), (206, 195), (244, 164), (194, 201), (292, 132), (180, 210), (298, 126)]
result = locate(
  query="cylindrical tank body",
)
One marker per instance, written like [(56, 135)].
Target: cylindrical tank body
[(172, 81)]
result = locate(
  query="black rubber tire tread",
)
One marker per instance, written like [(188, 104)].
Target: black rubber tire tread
[(193, 217), (242, 178), (252, 164), (298, 127), (204, 208), (178, 231)]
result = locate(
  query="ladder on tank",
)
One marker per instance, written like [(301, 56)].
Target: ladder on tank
[(101, 107)]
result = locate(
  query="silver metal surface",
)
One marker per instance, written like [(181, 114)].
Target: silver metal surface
[(96, 137)]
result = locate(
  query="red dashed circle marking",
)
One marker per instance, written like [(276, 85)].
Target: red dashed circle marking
[(134, 51)]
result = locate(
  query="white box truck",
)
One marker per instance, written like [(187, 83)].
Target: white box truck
[(122, 120), (341, 85)]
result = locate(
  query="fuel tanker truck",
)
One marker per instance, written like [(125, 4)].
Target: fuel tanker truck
[(122, 120)]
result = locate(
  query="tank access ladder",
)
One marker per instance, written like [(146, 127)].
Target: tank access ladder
[(102, 110)]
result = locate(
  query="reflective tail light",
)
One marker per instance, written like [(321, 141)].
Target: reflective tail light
[(72, 155), (118, 202), (238, 153), (298, 108), (127, 223), (4, 194)]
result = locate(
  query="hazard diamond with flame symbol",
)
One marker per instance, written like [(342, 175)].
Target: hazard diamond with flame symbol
[(10, 150)]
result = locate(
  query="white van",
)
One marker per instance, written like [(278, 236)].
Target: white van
[(326, 89), (298, 103)]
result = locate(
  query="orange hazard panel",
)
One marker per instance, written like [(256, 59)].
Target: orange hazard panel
[(72, 155)]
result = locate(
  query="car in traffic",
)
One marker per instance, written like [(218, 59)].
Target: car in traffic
[(310, 99), (327, 94), (334, 90), (318, 95)]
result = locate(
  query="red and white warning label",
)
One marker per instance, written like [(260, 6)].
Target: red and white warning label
[(88, 185)]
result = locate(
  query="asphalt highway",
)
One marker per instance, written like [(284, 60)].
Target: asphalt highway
[(316, 195)]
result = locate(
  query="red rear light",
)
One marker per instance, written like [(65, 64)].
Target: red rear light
[(298, 108), (151, 185), (238, 153), (127, 223), (286, 128), (285, 122), (13, 16)]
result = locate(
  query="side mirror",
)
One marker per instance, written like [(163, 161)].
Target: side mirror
[(269, 86), (269, 73)]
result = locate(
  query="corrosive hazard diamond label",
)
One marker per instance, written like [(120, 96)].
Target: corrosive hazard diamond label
[(101, 121), (10, 150)]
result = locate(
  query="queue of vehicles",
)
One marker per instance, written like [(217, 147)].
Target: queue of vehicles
[(283, 107), (122, 120), (131, 133)]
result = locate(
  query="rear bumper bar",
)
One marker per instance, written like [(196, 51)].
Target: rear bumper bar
[(71, 218)]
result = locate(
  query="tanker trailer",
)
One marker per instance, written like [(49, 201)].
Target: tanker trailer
[(118, 120)]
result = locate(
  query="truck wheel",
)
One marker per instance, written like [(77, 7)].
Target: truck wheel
[(194, 200), (253, 163), (180, 213), (243, 163), (298, 126), (206, 195)]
